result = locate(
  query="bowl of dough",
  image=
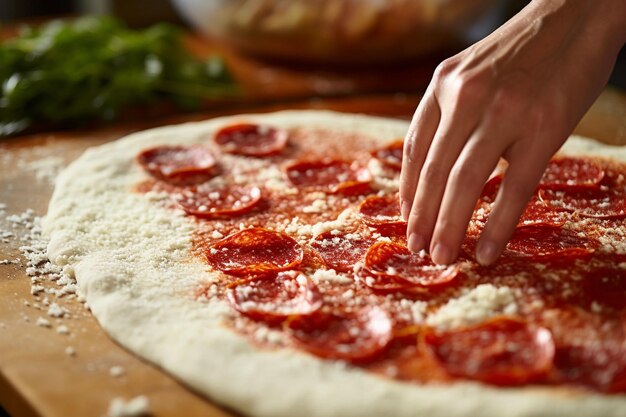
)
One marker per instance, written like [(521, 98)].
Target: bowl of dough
[(336, 31)]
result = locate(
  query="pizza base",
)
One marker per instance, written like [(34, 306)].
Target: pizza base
[(133, 263)]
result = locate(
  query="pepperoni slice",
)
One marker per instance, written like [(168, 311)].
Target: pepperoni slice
[(565, 173), (341, 251), (602, 367), (543, 242), (395, 260), (590, 348), (607, 286), (255, 251), (383, 213), (251, 139), (275, 297), (391, 155), (537, 213), (219, 203), (602, 203), (350, 336), (179, 164), (333, 176), (381, 283), (501, 351)]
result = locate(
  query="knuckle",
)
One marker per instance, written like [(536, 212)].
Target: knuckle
[(410, 152), (444, 69), (468, 85), (432, 174), (463, 175)]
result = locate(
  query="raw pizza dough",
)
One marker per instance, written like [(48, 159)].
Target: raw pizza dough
[(132, 262)]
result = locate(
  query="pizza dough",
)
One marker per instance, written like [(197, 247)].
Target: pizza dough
[(132, 261)]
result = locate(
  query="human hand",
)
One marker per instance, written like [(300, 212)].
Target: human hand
[(517, 94)]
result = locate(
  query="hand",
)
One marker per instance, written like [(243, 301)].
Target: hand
[(517, 95)]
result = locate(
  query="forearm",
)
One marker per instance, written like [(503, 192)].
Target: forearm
[(600, 21)]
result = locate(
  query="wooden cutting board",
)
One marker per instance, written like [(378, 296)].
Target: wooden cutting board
[(37, 377)]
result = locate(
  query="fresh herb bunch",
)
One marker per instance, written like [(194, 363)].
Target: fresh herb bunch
[(70, 72)]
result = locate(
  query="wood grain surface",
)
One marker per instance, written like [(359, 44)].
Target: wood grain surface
[(37, 377)]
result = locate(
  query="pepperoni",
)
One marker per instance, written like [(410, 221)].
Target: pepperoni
[(606, 286), (395, 260), (544, 242), (603, 203), (590, 349), (273, 298), (220, 202), (383, 213), (251, 139), (537, 213), (255, 251), (391, 155), (602, 367), (501, 351), (565, 173), (350, 336), (179, 164), (334, 176), (341, 251), (381, 283)]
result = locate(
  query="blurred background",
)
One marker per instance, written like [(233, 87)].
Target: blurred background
[(483, 17), (267, 52)]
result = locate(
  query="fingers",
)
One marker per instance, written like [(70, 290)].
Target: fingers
[(416, 145), (520, 180), (447, 144), (465, 183)]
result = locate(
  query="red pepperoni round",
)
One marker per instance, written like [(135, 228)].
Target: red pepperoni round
[(334, 176), (383, 213), (395, 260), (543, 242), (537, 213), (566, 172), (251, 139), (273, 298), (179, 164), (501, 351), (350, 336), (255, 251), (391, 155), (381, 283), (590, 348), (606, 286), (601, 367), (220, 202), (600, 203), (341, 251)]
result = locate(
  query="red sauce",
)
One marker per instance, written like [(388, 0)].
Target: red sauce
[(574, 297)]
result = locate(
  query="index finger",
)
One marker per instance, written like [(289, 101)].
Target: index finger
[(416, 144)]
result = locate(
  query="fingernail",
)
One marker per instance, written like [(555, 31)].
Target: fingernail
[(441, 254), (486, 253), (405, 209), (416, 243)]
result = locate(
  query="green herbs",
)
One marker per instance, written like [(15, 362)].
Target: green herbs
[(67, 73)]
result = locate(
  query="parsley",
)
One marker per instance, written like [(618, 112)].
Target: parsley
[(66, 73)]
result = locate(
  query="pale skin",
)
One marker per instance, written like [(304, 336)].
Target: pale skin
[(517, 94)]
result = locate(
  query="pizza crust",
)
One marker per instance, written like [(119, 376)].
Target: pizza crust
[(132, 262)]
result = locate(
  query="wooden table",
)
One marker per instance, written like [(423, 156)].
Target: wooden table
[(37, 377)]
